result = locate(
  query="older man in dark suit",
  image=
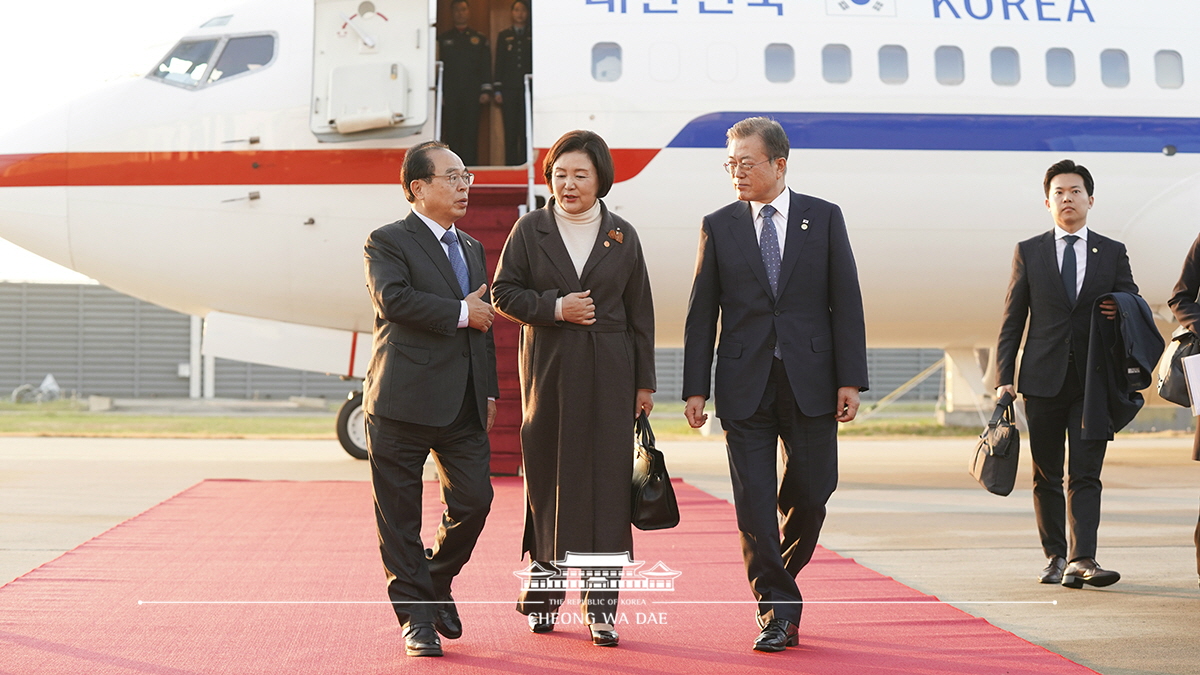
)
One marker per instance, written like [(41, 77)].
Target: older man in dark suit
[(1057, 278), (777, 269), (431, 384)]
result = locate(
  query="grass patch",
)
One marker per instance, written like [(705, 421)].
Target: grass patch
[(66, 422)]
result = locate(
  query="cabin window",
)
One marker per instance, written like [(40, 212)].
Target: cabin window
[(606, 61), (186, 63), (722, 62), (948, 65), (243, 54), (1168, 69), (1060, 67), (893, 64), (835, 63), (664, 62), (1006, 66), (1114, 68), (779, 62)]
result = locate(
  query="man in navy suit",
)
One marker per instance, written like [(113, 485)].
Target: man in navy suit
[(1056, 279), (777, 270)]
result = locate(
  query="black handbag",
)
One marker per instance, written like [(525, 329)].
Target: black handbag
[(654, 506), (1172, 383), (994, 463)]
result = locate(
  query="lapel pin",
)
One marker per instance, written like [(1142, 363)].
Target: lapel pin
[(606, 244), (1095, 250), (804, 224), (616, 235)]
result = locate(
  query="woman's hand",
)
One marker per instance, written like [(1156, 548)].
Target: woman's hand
[(645, 401), (579, 308)]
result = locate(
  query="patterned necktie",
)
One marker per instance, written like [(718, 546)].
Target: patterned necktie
[(769, 243), (456, 261), (1068, 267)]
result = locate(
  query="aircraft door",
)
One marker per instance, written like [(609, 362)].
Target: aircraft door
[(371, 67)]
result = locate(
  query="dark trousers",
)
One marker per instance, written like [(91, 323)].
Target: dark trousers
[(596, 605), (1051, 420), (513, 110), (779, 530), (397, 453), (460, 124)]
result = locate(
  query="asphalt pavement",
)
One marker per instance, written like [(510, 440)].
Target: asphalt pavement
[(905, 508)]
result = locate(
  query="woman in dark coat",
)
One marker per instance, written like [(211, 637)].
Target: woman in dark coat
[(573, 275), (1186, 306)]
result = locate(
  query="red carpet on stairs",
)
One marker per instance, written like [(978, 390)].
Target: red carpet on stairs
[(284, 577)]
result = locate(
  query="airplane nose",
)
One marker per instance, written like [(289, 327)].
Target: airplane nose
[(33, 192)]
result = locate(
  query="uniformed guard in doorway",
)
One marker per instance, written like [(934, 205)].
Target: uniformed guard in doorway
[(466, 82), (514, 60)]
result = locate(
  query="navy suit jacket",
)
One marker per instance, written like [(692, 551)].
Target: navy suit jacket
[(1056, 328), (421, 358), (817, 319)]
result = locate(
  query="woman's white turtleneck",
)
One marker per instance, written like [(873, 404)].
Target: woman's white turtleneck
[(578, 232)]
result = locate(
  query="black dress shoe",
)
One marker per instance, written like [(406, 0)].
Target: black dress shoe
[(447, 622), (1054, 570), (541, 623), (602, 637), (1086, 571), (777, 635), (420, 639)]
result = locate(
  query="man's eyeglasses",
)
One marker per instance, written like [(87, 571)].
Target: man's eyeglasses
[(466, 178), (734, 168)]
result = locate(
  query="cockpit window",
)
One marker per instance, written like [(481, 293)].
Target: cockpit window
[(242, 54), (186, 63), (195, 63)]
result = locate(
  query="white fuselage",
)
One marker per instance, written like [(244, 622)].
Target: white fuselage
[(146, 186)]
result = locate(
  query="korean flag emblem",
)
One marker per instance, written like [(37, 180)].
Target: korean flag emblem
[(860, 7)]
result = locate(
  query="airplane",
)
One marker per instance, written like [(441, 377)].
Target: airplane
[(237, 180)]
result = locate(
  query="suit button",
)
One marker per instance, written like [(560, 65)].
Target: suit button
[(1067, 341), (466, 354), (777, 312)]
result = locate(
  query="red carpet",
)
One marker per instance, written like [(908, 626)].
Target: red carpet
[(298, 566)]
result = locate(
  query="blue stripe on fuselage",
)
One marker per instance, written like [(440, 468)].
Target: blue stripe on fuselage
[(887, 131)]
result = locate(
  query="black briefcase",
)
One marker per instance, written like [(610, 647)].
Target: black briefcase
[(654, 505), (994, 463)]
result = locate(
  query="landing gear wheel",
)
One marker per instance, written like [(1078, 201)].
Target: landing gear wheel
[(352, 426)]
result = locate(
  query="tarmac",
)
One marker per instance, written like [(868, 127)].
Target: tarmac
[(905, 507)]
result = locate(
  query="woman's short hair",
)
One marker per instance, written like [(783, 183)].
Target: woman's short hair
[(774, 138), (582, 140), (418, 165)]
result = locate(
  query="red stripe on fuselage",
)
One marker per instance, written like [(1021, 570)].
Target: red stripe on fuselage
[(251, 167)]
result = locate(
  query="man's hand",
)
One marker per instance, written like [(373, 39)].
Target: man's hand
[(498, 98), (645, 401), (1109, 308), (694, 412), (847, 404), (579, 308), (491, 415), (1006, 389), (479, 313), (484, 99)]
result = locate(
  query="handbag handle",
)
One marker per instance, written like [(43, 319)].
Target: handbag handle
[(641, 427), (1003, 408)]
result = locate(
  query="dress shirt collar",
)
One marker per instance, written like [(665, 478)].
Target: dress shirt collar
[(437, 230), (781, 204), (1059, 233)]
